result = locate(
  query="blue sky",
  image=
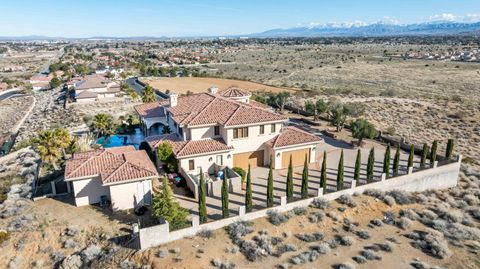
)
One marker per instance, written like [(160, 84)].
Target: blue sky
[(84, 18)]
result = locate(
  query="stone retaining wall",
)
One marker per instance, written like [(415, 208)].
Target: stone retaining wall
[(438, 177)]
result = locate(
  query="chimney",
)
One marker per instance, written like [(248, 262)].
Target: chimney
[(213, 90), (173, 98)]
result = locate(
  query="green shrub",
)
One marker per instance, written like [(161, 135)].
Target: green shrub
[(241, 172)]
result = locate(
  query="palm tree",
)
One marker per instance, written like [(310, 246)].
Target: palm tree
[(51, 145), (103, 125), (148, 95)]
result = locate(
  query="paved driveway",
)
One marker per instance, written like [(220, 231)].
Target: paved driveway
[(259, 177)]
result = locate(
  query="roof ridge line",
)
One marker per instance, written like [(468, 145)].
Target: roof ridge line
[(184, 146), (204, 108)]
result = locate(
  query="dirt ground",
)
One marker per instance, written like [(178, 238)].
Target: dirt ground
[(198, 252), (195, 85)]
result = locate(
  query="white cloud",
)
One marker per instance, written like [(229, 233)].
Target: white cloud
[(457, 18)]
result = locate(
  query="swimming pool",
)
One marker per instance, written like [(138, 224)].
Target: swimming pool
[(115, 141)]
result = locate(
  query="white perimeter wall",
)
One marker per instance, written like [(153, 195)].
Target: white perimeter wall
[(442, 177)]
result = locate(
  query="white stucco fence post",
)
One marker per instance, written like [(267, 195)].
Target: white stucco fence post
[(283, 201), (319, 192), (410, 170), (354, 184), (384, 177)]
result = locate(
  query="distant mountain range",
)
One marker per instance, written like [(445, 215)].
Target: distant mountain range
[(376, 30), (437, 28)]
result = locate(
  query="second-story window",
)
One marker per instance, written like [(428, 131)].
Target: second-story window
[(262, 129), (272, 128), (240, 132), (216, 130)]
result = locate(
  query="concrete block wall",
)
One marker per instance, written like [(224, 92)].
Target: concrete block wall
[(440, 177)]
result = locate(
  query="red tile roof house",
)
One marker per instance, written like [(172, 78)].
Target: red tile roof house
[(226, 129), (40, 82), (122, 175)]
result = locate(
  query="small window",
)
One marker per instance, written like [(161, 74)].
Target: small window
[(191, 165), (216, 130), (272, 128), (240, 132), (220, 160), (262, 129)]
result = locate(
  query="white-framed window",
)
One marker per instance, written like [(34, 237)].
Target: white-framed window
[(272, 128), (191, 165), (216, 130), (219, 160), (240, 132), (262, 129)]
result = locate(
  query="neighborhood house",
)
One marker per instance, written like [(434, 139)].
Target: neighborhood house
[(95, 87), (121, 175), (225, 128)]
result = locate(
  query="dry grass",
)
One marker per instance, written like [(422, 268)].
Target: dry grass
[(196, 85)]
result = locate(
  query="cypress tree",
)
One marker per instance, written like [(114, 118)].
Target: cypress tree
[(290, 181), (202, 204), (449, 151), (411, 156), (423, 159), (305, 178), (396, 161), (386, 162), (270, 185), (433, 152), (358, 165), (248, 193), (323, 172), (340, 173), (370, 165), (225, 211)]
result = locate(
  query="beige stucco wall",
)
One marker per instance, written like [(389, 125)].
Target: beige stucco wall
[(255, 140), (126, 196), (278, 153), (88, 191), (205, 162), (203, 133)]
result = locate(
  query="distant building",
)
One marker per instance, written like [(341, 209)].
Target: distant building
[(95, 87), (40, 82)]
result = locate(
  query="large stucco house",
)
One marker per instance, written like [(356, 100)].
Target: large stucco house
[(121, 175), (94, 88), (226, 128)]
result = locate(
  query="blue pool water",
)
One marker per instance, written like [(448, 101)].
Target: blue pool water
[(115, 141)]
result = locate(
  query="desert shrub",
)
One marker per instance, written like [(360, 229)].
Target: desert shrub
[(275, 240), (69, 243), (387, 246), (347, 199), (320, 203), (375, 222), (345, 240), (417, 264), (276, 218), (306, 256), (389, 217), (205, 233), (359, 259), (322, 248), (474, 212), (316, 217), (4, 236), (239, 229), (333, 243), (389, 200), (430, 242), (364, 234), (333, 216), (310, 237), (404, 223), (162, 253), (401, 197), (471, 199), (374, 193), (343, 266), (421, 198), (300, 210), (222, 265), (369, 255), (409, 213), (285, 248)]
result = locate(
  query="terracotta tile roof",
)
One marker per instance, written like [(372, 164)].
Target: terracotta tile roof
[(151, 110), (292, 136), (234, 92), (112, 165), (260, 105), (205, 108), (191, 147)]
